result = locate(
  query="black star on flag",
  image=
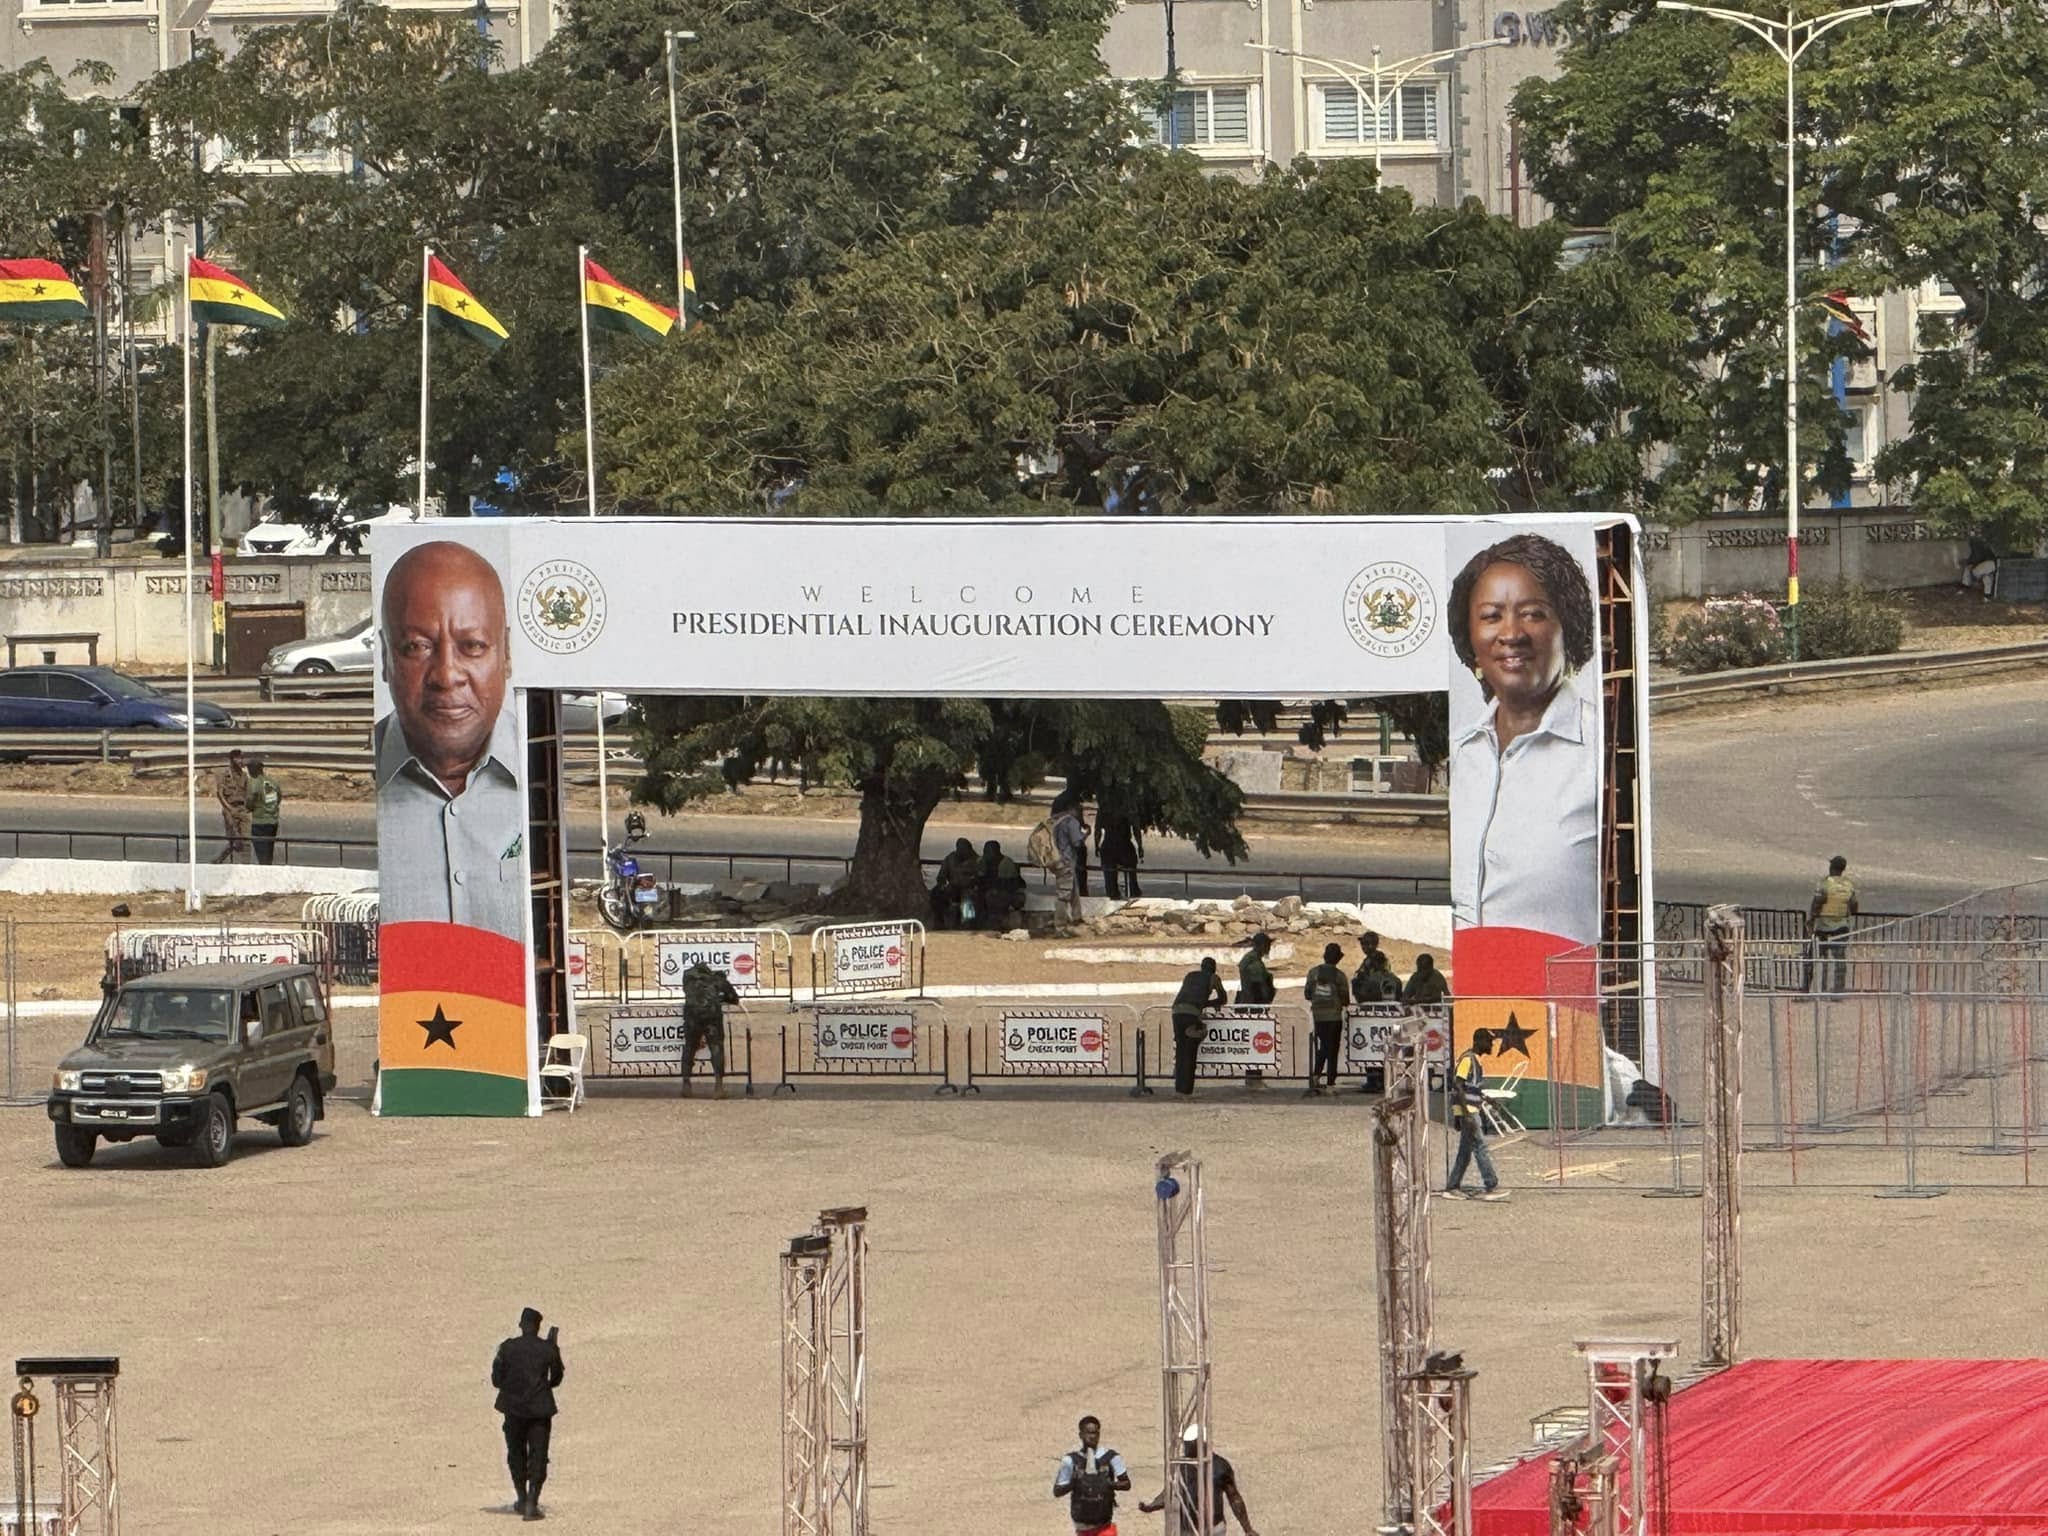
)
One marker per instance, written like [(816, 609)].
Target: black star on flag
[(440, 1027), (462, 303), (1512, 1036), (39, 290)]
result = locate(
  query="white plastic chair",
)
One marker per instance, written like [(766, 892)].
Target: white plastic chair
[(1497, 1103), (564, 1063)]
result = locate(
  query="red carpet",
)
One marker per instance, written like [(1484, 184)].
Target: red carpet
[(1924, 1447)]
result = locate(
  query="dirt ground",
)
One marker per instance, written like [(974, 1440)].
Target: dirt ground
[(305, 1335)]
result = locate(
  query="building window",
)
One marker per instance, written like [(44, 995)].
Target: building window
[(1410, 116), (1209, 117), (1859, 441)]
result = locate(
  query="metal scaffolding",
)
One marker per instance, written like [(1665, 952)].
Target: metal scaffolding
[(1608, 1475), (1721, 1143), (1184, 1347), (845, 1376), (1440, 1406), (804, 1344), (87, 1481), (1400, 1143)]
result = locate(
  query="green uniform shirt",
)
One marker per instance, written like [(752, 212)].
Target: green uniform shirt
[(1325, 989), (1254, 981), (264, 798), (1424, 987)]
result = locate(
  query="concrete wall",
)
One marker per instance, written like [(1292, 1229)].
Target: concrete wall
[(137, 607), (1877, 547)]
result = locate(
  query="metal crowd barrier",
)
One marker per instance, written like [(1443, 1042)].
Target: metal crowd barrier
[(645, 1040), (1100, 1042), (901, 1041), (851, 959)]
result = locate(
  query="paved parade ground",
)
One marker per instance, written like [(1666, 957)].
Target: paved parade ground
[(306, 1335)]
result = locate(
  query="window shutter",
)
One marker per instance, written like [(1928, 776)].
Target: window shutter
[(1340, 115), (1230, 119)]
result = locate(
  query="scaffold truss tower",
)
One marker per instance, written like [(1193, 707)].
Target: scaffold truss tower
[(1721, 1143), (804, 1342), (88, 1485), (1440, 1407), (846, 1370), (1400, 1142), (1184, 1346), (1602, 1484)]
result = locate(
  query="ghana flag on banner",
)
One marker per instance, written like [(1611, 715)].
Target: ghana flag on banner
[(610, 303), (452, 1031), (39, 293), (455, 307), (690, 315), (221, 298)]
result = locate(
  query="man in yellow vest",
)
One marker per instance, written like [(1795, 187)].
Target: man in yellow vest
[(1828, 917)]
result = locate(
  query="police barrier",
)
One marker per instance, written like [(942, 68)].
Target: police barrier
[(597, 966), (891, 1041), (135, 952), (848, 959), (349, 924), (645, 1040), (1241, 1041), (757, 961), (1368, 1028), (1013, 1042)]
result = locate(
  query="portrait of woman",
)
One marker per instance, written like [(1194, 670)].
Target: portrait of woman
[(1525, 741)]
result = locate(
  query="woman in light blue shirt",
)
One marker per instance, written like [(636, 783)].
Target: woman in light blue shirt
[(1525, 773)]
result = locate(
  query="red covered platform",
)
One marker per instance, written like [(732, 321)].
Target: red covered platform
[(1922, 1447)]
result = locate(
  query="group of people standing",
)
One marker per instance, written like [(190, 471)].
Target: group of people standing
[(250, 801)]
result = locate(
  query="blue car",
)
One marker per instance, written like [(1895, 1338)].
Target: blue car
[(93, 699)]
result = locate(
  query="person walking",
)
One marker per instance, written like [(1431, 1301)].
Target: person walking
[(1468, 1080), (265, 797), (1223, 1492), (705, 994), (1325, 988), (1427, 987), (1828, 919), (231, 788), (1070, 848), (1200, 989), (1089, 1479), (526, 1372)]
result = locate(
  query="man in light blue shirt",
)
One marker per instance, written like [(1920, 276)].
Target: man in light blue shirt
[(451, 816)]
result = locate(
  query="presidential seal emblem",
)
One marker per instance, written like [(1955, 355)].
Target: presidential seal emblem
[(561, 606), (1390, 609)]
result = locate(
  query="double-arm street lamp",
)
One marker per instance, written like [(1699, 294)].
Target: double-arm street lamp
[(1386, 79), (1789, 39)]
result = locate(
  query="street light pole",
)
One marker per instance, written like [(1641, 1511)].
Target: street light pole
[(675, 166), (1789, 39), (1382, 91)]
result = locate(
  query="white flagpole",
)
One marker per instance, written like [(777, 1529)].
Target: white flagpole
[(192, 901), (426, 259), (604, 814)]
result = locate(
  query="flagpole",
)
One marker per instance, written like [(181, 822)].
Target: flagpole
[(426, 278), (604, 814), (192, 902)]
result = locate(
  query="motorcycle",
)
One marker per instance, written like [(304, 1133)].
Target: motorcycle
[(631, 897)]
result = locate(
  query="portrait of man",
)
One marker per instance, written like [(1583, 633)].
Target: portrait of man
[(451, 815), (1525, 738)]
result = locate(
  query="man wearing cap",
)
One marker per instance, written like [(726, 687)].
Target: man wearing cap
[(526, 1372), (1200, 990), (1089, 1479), (1222, 1490)]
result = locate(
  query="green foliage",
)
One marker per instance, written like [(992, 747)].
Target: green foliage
[(1839, 619), (1728, 632)]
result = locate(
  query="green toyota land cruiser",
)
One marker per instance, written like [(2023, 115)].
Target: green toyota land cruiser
[(183, 1055)]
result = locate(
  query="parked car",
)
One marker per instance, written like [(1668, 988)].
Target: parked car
[(353, 650), (272, 538), (94, 699), (579, 710), (185, 1054)]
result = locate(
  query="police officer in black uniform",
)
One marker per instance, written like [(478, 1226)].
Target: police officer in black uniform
[(526, 1372), (1199, 989)]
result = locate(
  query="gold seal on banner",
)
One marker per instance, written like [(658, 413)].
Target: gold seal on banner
[(561, 606), (1390, 609)]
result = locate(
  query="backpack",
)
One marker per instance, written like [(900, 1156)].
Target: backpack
[(1321, 988), (1094, 1501), (1045, 852), (701, 994)]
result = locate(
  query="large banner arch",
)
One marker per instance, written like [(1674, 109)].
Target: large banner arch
[(473, 615)]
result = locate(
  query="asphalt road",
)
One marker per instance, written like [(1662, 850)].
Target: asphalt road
[(1930, 794)]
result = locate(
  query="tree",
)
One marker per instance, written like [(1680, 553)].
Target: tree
[(904, 756)]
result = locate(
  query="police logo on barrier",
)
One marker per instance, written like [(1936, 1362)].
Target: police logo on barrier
[(561, 606), (1390, 609), (828, 1038)]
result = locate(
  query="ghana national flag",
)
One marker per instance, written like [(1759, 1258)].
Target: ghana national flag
[(221, 298), (610, 303), (452, 1031), (39, 293), (452, 305), (690, 315)]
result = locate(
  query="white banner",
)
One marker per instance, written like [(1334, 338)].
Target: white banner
[(980, 607), (1240, 1038), (742, 953), (848, 1035), (1071, 1039), (649, 1036), (873, 955)]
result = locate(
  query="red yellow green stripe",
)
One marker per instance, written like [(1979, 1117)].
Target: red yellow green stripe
[(451, 304), (453, 1036), (221, 298), (39, 292), (611, 304)]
